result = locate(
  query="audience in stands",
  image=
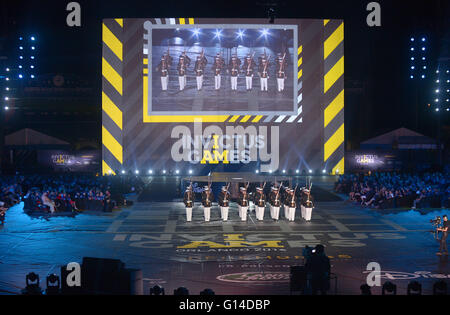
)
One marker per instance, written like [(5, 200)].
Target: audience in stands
[(68, 192), (383, 190)]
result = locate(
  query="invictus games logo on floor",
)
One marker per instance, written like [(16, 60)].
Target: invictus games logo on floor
[(235, 144), (255, 277)]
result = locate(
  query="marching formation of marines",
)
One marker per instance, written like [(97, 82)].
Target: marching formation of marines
[(234, 69), (279, 197)]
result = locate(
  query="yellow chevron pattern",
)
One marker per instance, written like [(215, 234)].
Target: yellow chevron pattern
[(106, 170), (334, 108), (112, 110), (334, 74), (334, 142), (339, 168), (334, 40), (335, 104), (112, 42), (111, 102), (112, 76), (112, 145)]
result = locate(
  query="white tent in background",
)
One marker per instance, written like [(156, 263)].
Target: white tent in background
[(30, 137)]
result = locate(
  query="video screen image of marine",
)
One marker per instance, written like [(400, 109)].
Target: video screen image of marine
[(223, 70)]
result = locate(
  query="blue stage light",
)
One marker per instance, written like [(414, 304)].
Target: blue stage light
[(20, 67), (423, 48), (412, 67), (20, 76), (411, 77), (196, 31), (177, 172), (32, 57), (164, 171), (123, 172), (20, 57), (20, 38), (190, 171), (324, 171), (137, 172), (32, 48), (218, 33), (310, 171), (412, 48), (6, 98), (32, 67), (7, 69), (32, 76), (257, 172), (423, 39), (423, 76), (412, 39), (6, 107), (33, 38), (412, 58), (240, 34), (150, 171), (21, 47)]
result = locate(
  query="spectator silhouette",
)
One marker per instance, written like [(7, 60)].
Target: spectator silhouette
[(318, 271)]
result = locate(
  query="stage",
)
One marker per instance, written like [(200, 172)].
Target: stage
[(231, 257)]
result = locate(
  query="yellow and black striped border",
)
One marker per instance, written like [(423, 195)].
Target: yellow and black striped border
[(216, 118), (334, 96), (112, 93)]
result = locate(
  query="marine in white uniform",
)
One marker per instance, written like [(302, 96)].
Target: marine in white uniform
[(217, 67), (243, 203), (224, 203), (233, 69), (260, 203), (188, 200), (207, 198), (248, 69)]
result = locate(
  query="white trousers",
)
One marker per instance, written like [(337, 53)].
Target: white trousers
[(224, 213), (260, 213), (308, 214), (234, 83), (182, 82), (188, 214), (217, 81), (164, 82), (263, 84), (280, 85), (199, 82), (291, 214), (243, 213), (276, 213), (207, 214), (286, 211), (248, 82)]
